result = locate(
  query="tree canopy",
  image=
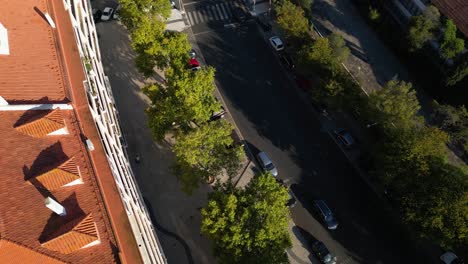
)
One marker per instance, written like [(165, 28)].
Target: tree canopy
[(249, 225), (291, 19), (451, 45), (338, 45), (206, 151), (134, 11), (187, 96), (421, 27), (395, 104)]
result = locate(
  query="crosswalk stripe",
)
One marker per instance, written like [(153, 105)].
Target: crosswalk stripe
[(195, 18), (215, 12), (210, 13), (224, 11), (220, 12), (201, 13), (190, 18)]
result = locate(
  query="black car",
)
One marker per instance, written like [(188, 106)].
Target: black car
[(97, 15), (322, 252), (263, 24), (325, 214), (287, 61), (239, 14)]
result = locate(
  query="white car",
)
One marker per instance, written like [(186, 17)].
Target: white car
[(450, 258), (107, 14), (277, 43)]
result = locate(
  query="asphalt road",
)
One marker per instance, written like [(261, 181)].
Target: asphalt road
[(274, 119)]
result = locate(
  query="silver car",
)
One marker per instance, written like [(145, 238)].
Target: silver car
[(266, 164)]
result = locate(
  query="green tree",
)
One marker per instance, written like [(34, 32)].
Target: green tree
[(318, 56), (459, 73), (250, 225), (206, 151), (338, 45), (422, 27), (134, 11), (305, 4), (396, 104), (374, 14), (291, 20), (436, 202), (187, 96), (453, 120), (451, 45)]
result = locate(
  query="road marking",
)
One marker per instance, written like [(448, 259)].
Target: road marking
[(220, 12), (215, 13), (202, 15), (195, 17), (189, 14), (224, 11)]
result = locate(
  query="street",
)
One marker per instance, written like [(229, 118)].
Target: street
[(273, 118)]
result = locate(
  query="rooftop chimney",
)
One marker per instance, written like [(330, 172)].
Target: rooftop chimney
[(54, 206)]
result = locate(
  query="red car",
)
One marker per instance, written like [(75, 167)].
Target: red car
[(194, 64)]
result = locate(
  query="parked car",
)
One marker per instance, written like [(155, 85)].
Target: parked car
[(325, 214), (116, 13), (194, 64), (451, 258), (276, 43), (303, 82), (192, 54), (322, 252), (239, 14), (107, 14), (218, 114), (345, 138), (263, 24), (287, 61), (266, 164), (292, 197), (97, 15)]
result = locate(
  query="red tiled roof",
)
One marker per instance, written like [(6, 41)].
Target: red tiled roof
[(13, 253), (43, 126), (25, 218), (457, 10), (57, 177), (67, 241), (32, 71)]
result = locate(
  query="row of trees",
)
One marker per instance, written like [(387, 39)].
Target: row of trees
[(246, 226), (182, 105), (410, 157)]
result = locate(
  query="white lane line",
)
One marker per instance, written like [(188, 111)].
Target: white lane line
[(224, 11), (195, 18), (215, 12), (210, 14), (189, 14), (202, 15), (220, 12)]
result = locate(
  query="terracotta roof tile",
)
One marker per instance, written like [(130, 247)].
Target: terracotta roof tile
[(457, 10), (32, 72), (22, 203), (58, 177), (43, 126), (82, 233), (13, 253)]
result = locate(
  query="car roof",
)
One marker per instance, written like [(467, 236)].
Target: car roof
[(277, 40), (264, 158), (346, 136), (107, 9), (323, 206)]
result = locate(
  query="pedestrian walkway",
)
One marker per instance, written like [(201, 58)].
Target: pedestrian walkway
[(220, 12)]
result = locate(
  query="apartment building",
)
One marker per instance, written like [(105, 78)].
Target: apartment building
[(67, 191)]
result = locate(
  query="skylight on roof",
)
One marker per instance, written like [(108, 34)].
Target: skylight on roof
[(4, 47)]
